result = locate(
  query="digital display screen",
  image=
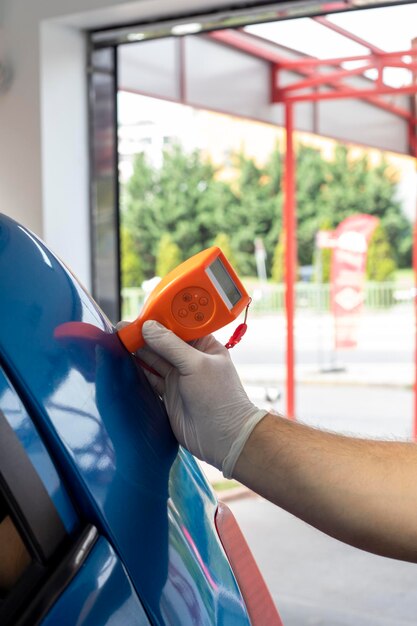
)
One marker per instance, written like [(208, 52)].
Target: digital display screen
[(221, 279)]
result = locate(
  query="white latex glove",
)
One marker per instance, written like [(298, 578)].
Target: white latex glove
[(209, 411)]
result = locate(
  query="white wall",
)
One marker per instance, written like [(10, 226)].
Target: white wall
[(43, 114), (64, 146)]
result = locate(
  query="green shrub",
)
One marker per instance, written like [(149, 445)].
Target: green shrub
[(278, 260), (325, 259), (222, 241), (168, 255), (380, 264), (131, 268)]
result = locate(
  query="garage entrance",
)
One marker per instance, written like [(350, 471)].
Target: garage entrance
[(246, 72)]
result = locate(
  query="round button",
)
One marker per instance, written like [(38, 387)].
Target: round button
[(192, 307)]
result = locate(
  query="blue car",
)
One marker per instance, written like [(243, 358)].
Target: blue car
[(103, 518)]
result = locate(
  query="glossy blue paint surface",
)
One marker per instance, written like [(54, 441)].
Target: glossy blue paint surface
[(28, 436), (110, 436), (100, 594)]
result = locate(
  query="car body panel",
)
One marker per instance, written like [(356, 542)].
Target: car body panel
[(101, 594), (109, 435)]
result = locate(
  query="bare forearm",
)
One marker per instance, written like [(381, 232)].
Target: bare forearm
[(359, 491)]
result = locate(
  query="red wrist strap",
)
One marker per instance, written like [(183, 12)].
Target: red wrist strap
[(240, 331)]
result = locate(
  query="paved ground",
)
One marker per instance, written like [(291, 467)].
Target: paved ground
[(316, 580), (384, 354)]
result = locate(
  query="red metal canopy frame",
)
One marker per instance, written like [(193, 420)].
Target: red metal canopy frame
[(289, 95)]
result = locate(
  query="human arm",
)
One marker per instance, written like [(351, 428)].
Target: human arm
[(359, 491)]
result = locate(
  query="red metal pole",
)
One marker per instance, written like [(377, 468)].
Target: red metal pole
[(350, 93), (415, 329), (346, 33), (324, 79), (413, 146), (294, 64), (290, 256)]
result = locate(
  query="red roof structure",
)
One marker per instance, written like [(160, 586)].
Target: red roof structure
[(249, 75)]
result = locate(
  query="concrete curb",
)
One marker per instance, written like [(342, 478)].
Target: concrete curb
[(326, 381)]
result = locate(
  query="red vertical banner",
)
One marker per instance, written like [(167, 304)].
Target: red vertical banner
[(348, 276)]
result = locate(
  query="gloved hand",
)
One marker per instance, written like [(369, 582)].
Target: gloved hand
[(209, 411)]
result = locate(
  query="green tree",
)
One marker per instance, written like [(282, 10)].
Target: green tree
[(353, 186), (380, 263), (311, 212), (142, 223), (256, 211), (168, 255), (249, 199), (272, 220), (222, 241), (323, 257), (183, 198), (278, 261), (131, 268)]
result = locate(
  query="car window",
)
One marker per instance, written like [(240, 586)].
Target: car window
[(14, 555)]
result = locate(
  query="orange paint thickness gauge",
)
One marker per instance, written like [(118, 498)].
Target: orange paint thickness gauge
[(198, 297)]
